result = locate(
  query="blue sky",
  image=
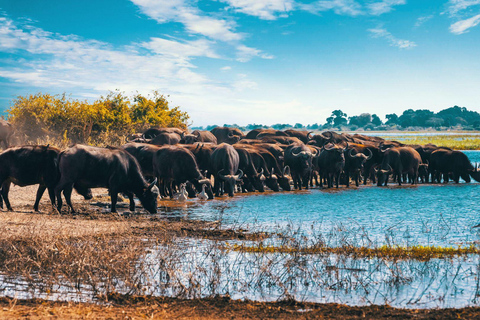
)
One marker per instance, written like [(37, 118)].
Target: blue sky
[(248, 61)]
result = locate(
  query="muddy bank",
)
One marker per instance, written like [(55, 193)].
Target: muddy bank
[(216, 308)]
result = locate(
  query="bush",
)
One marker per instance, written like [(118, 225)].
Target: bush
[(107, 120)]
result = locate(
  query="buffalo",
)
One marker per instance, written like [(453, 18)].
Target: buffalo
[(225, 163), (446, 162), (299, 159), (153, 132), (199, 136), (397, 161), (112, 168), (177, 165), (227, 135), (355, 162), (6, 132), (28, 165), (331, 163)]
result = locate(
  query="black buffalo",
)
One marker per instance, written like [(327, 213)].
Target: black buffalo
[(357, 156), (112, 168), (252, 180), (6, 131), (166, 138), (445, 162), (28, 165), (175, 165), (227, 135), (199, 136), (153, 132), (258, 133), (330, 164), (399, 161), (299, 159), (144, 153), (225, 163)]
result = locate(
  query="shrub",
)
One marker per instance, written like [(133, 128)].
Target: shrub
[(110, 118)]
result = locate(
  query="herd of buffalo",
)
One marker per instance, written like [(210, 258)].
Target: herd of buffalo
[(162, 161)]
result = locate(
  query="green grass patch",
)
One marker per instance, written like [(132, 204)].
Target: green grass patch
[(457, 142), (421, 253)]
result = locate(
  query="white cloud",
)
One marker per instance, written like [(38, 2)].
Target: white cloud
[(455, 6), (226, 68), (192, 18), (378, 8), (245, 54), (184, 50), (421, 20), (395, 42), (243, 83), (341, 7), (67, 62), (264, 9), (462, 26)]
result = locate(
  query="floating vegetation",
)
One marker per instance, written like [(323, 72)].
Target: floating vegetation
[(418, 252)]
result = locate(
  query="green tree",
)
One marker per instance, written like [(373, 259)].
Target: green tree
[(392, 118), (337, 119)]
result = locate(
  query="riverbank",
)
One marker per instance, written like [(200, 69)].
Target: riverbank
[(215, 308)]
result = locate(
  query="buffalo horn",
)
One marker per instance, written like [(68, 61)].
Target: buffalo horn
[(350, 153), (370, 154), (221, 175), (329, 149), (204, 180), (239, 176), (152, 184), (285, 169), (308, 135)]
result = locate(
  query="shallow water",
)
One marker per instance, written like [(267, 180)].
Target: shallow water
[(444, 214)]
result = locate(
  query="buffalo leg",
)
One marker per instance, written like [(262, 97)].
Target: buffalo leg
[(67, 192), (456, 177), (5, 190), (132, 201), (113, 198), (216, 187), (41, 189)]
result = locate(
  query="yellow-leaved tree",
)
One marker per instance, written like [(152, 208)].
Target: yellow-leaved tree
[(105, 121)]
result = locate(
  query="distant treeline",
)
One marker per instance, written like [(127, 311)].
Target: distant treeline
[(452, 118)]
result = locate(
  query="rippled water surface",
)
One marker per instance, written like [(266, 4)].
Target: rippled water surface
[(444, 214)]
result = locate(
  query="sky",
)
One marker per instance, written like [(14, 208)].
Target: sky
[(247, 61)]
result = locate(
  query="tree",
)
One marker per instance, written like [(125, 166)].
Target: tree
[(338, 118), (362, 120), (392, 118), (107, 120), (376, 120)]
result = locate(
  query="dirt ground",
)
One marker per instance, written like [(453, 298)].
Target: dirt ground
[(217, 308), (95, 221)]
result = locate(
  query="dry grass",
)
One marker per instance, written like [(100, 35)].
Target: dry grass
[(216, 308)]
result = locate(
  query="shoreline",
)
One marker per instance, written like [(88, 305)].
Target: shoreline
[(131, 307)]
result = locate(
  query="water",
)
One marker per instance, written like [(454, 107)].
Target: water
[(443, 215), (440, 215)]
